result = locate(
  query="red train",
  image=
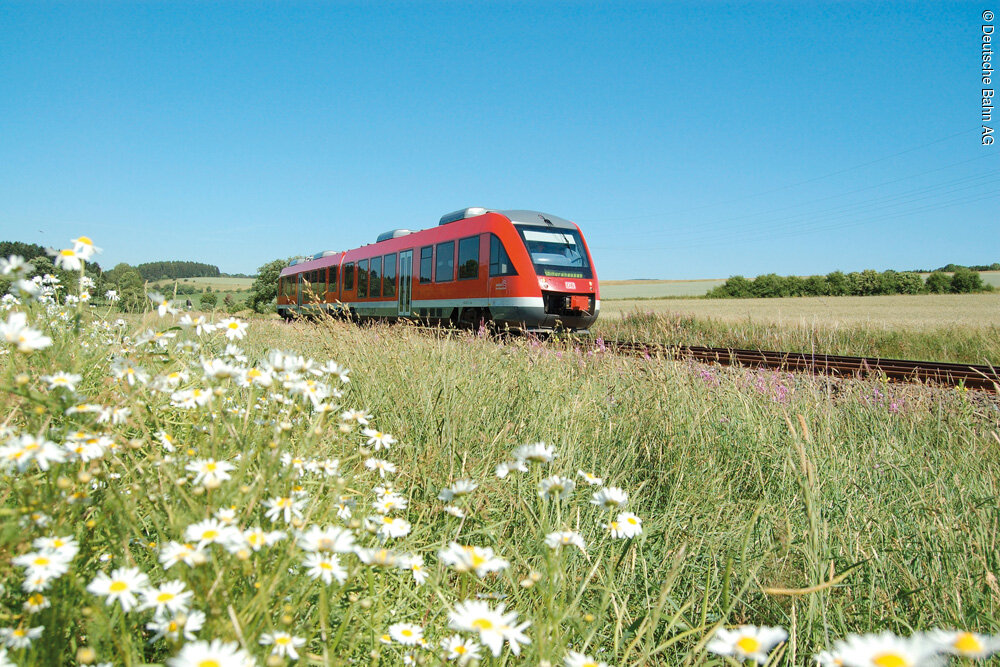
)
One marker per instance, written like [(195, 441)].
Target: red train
[(523, 269)]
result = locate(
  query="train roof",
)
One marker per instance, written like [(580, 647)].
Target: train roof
[(518, 216)]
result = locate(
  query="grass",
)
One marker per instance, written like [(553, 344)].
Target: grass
[(958, 328), (766, 499)]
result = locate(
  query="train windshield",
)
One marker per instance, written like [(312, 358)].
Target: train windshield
[(556, 252)]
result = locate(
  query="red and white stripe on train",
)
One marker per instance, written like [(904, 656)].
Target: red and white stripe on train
[(524, 269)]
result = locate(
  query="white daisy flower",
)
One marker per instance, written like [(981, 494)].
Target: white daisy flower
[(590, 478), (625, 525), (184, 625), (873, 650), (565, 538), (216, 653), (234, 328), (610, 497), (384, 467), (284, 644), (19, 637), (460, 488), (747, 642), (480, 560), (325, 566), (378, 439), (210, 472), (461, 650), (167, 599), (122, 586), (574, 659), (537, 452), (556, 486), (407, 634), (285, 507), (493, 625), (964, 644), (329, 538), (174, 552)]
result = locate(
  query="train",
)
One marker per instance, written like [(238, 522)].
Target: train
[(519, 269)]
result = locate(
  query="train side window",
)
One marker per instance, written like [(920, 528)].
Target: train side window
[(445, 268), (499, 261), (389, 275), (374, 283), (363, 278), (332, 284), (468, 258), (426, 264), (349, 276)]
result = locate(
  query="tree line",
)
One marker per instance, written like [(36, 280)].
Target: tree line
[(857, 283), (166, 270)]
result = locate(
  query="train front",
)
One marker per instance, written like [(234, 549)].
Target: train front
[(567, 280)]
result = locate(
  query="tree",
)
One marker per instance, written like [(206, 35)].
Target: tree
[(125, 280), (209, 300), (264, 291), (965, 281), (938, 283)]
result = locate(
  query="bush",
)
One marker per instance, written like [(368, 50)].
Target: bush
[(965, 281), (209, 300), (938, 283)]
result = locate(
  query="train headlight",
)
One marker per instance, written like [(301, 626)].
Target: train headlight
[(543, 283)]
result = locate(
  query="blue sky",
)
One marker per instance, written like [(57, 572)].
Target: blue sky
[(688, 140)]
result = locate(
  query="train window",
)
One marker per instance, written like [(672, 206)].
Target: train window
[(349, 277), (389, 275), (332, 281), (499, 260), (374, 283), (445, 268), (426, 264), (468, 258), (362, 278)]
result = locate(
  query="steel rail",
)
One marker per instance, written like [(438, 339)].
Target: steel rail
[(972, 376)]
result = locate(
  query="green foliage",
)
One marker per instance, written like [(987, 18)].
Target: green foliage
[(858, 283), (209, 300), (264, 291), (965, 281), (26, 251), (125, 280), (162, 270)]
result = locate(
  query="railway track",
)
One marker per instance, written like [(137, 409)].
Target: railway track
[(971, 376)]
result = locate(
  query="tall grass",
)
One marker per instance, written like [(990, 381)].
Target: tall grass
[(826, 508)]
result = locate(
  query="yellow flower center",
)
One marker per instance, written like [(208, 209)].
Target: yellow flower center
[(482, 624), (165, 596), (67, 252), (84, 240), (282, 640), (325, 566), (209, 662), (37, 599), (19, 633), (210, 467), (42, 561), (209, 534), (460, 649), (748, 645), (406, 633), (118, 586), (172, 626), (889, 660), (590, 664), (632, 520), (614, 525), (966, 642), (233, 325)]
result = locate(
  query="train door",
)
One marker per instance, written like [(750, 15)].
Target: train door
[(405, 282)]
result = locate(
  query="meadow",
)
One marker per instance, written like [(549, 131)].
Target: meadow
[(932, 327), (177, 490), (613, 290)]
